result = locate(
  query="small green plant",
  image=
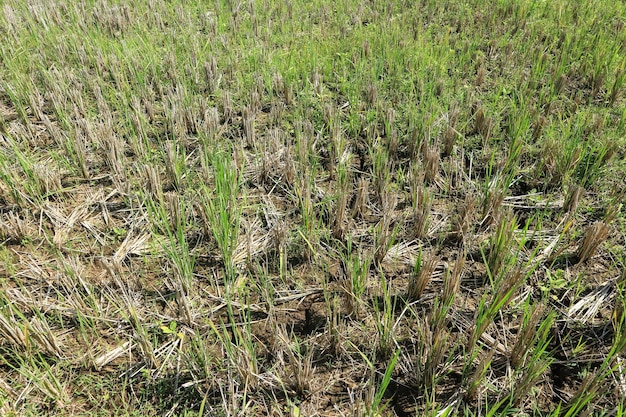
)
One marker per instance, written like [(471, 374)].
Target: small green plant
[(240, 350), (530, 355), (501, 245), (503, 290), (384, 319), (357, 269), (221, 207), (374, 405)]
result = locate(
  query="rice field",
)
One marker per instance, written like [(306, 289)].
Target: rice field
[(312, 208)]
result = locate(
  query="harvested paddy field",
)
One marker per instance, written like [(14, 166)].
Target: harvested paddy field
[(312, 208)]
